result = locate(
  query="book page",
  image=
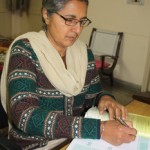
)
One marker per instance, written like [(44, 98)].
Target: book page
[(141, 143), (141, 124)]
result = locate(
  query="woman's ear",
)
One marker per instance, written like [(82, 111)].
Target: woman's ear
[(45, 16)]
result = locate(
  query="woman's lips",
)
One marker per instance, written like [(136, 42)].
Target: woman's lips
[(72, 38)]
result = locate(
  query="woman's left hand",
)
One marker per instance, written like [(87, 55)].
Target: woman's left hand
[(114, 108)]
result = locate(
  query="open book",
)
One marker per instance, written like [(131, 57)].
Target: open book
[(142, 142), (141, 124)]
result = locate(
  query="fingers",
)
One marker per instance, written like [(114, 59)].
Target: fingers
[(111, 113), (114, 108), (115, 111), (127, 134), (117, 134), (118, 111), (124, 112), (129, 123), (102, 108), (124, 138), (131, 131)]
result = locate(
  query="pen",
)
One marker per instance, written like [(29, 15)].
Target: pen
[(122, 122)]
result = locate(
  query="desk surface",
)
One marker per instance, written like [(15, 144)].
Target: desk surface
[(139, 108), (135, 107)]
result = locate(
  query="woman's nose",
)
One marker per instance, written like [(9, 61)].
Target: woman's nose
[(77, 28)]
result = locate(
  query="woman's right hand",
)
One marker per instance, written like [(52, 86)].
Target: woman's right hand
[(116, 134)]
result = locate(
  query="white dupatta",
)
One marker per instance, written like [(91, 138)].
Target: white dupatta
[(68, 81)]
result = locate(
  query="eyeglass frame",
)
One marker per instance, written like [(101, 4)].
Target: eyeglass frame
[(68, 19)]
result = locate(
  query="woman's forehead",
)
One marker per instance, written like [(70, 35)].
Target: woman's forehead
[(75, 8)]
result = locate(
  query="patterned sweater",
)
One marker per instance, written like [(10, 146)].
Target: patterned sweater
[(38, 111)]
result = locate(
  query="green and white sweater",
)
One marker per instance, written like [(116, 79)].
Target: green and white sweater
[(39, 112)]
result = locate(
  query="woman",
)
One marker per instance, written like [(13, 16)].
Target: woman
[(52, 81)]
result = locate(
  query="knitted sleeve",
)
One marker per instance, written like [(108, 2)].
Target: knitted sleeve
[(95, 90), (28, 117)]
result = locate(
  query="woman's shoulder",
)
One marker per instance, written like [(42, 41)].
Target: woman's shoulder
[(24, 42), (23, 47)]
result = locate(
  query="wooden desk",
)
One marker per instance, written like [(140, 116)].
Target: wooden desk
[(65, 147), (135, 107), (139, 108)]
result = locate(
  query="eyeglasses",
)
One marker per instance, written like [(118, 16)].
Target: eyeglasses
[(72, 22)]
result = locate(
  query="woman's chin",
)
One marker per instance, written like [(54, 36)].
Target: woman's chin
[(71, 42)]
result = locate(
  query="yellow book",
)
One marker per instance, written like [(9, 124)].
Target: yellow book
[(141, 124)]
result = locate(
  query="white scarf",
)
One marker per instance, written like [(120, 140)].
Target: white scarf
[(68, 81)]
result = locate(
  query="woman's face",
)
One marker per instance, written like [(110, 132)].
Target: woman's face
[(60, 34)]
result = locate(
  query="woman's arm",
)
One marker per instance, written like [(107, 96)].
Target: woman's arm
[(111, 131)]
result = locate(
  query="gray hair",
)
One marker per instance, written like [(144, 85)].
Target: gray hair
[(54, 6)]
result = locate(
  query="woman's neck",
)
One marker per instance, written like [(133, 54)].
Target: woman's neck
[(62, 53)]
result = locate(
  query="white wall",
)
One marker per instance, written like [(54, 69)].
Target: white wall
[(31, 22), (115, 15), (16, 24), (134, 21), (5, 20)]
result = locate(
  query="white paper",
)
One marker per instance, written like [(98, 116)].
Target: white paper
[(141, 143), (93, 112)]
